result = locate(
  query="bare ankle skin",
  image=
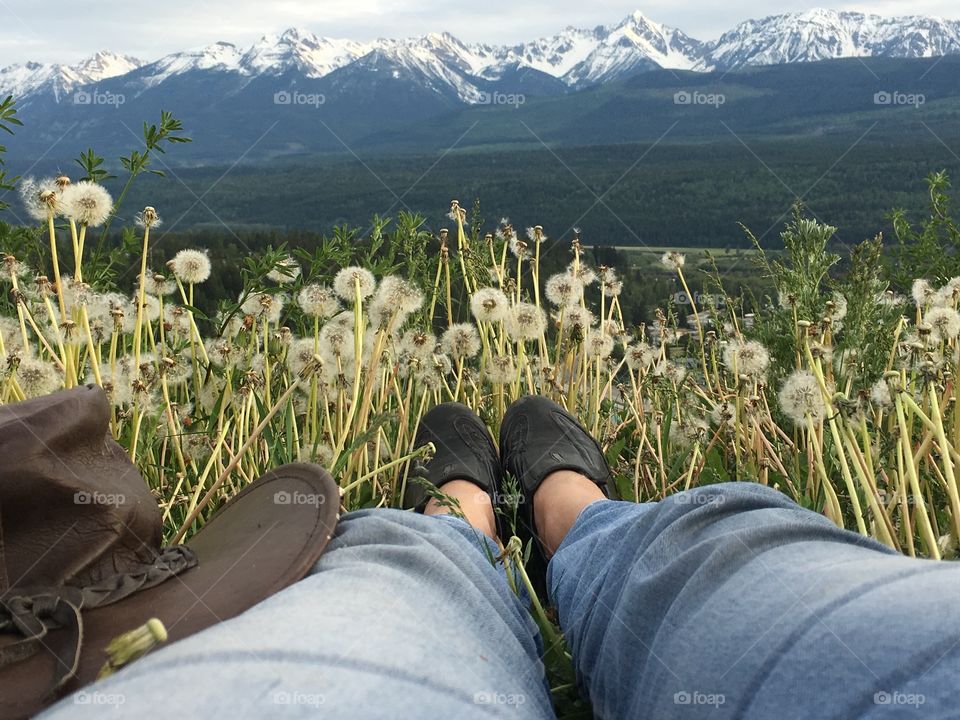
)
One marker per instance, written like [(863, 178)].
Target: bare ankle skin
[(558, 502), (475, 504)]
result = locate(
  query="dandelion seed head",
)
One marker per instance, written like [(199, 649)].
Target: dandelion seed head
[(837, 310), (640, 357), (10, 330), (322, 454), (41, 198), (461, 341), (318, 301), (191, 267), (221, 351), (746, 358), (922, 292), (944, 322), (86, 203), (880, 394), (417, 343), (337, 338), (673, 260), (346, 281), (286, 270), (264, 306), (157, 284), (176, 319), (303, 355), (38, 377), (525, 322), (724, 414), (501, 370), (598, 344), (404, 297), (577, 320), (800, 397), (563, 290), (584, 273), (147, 218), (689, 432), (489, 305)]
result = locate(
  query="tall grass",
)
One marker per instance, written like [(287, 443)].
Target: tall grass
[(840, 395)]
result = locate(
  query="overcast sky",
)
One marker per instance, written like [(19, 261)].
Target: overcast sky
[(68, 30)]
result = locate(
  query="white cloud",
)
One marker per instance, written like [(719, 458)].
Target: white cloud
[(65, 31)]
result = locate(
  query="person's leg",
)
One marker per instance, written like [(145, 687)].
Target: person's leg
[(732, 601), (403, 616)]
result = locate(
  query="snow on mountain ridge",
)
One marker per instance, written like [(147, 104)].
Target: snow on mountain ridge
[(576, 56)]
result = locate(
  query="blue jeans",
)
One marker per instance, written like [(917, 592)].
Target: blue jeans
[(727, 601)]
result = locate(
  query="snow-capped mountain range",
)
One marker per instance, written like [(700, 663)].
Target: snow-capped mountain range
[(573, 58)]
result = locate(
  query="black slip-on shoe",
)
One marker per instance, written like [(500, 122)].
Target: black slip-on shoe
[(464, 451), (538, 437)]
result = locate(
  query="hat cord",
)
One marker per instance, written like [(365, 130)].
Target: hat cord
[(33, 612)]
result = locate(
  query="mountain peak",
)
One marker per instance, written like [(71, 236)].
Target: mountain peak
[(577, 57)]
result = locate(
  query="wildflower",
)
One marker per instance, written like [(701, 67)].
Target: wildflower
[(489, 305), (38, 377), (417, 344), (432, 372), (157, 284), (837, 308), (176, 319), (526, 322), (640, 357), (121, 311), (689, 432), (318, 301), (285, 271), (461, 341), (86, 203), (583, 273), (336, 338), (41, 198), (265, 306), (77, 293), (220, 351), (922, 292), (177, 368), (672, 260), (211, 393), (880, 394), (670, 371), (116, 383), (786, 299), (191, 266), (563, 290), (944, 321), (400, 296), (147, 218), (302, 356), (598, 344), (320, 454), (10, 330), (348, 280), (724, 414), (501, 370), (800, 398), (612, 288), (747, 358), (151, 308), (577, 319)]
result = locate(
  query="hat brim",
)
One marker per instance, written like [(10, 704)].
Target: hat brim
[(265, 538)]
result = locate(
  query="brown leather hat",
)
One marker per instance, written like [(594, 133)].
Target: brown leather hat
[(81, 560)]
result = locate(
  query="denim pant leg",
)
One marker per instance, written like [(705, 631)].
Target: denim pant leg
[(732, 601), (404, 616)]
